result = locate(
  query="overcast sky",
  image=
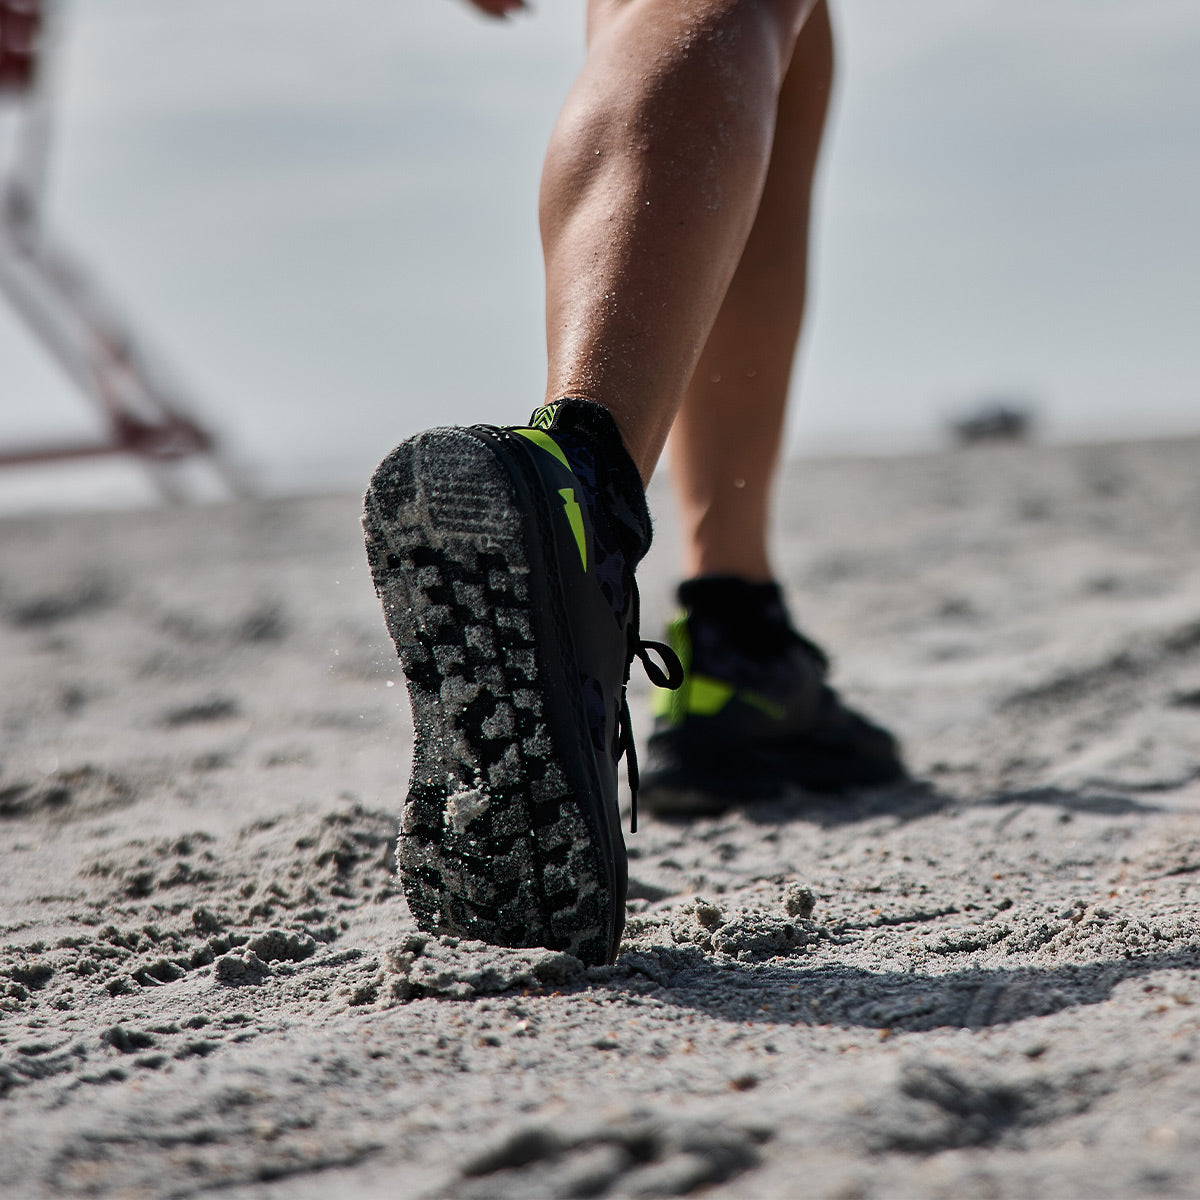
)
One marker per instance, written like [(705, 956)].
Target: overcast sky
[(322, 215)]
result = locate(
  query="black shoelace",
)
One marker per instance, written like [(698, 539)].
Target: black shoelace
[(669, 675)]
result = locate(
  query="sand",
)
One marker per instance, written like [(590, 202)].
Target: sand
[(985, 982)]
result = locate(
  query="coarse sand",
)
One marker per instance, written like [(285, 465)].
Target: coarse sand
[(985, 982)]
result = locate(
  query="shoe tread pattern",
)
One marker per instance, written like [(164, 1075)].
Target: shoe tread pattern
[(492, 844)]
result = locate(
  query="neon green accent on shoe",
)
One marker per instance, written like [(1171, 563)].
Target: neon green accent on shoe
[(570, 504), (706, 697), (701, 695), (672, 706), (575, 518), (546, 442), (543, 418), (775, 711)]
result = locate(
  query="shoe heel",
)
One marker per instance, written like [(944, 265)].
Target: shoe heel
[(435, 503), (492, 844), (447, 482)]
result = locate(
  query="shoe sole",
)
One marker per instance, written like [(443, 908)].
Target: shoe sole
[(692, 794), (689, 789), (493, 843)]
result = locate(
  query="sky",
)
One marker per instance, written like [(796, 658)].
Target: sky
[(322, 218)]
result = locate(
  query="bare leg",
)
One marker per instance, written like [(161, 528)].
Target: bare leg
[(665, 182), (725, 442), (650, 190)]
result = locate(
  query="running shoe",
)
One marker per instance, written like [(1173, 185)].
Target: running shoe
[(504, 558), (755, 716)]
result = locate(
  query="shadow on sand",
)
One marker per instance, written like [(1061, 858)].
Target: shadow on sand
[(917, 799), (852, 997)]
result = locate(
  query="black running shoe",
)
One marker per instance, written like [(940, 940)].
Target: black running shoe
[(504, 558), (755, 715)]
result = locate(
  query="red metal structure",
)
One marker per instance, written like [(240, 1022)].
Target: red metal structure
[(63, 307), (20, 25)]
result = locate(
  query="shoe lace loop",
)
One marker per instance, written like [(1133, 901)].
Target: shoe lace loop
[(668, 675)]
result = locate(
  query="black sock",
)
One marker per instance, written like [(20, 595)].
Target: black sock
[(751, 617)]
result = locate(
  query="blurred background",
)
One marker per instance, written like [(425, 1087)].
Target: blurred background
[(322, 218)]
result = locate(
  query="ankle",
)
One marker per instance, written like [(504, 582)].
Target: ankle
[(588, 435)]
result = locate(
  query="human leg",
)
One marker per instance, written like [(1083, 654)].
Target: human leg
[(755, 715), (725, 442), (651, 186), (505, 556)]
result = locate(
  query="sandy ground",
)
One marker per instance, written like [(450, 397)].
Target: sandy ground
[(985, 983)]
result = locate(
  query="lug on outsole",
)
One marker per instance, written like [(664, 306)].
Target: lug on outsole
[(492, 844)]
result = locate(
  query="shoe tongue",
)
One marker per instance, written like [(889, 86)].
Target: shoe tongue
[(587, 434)]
